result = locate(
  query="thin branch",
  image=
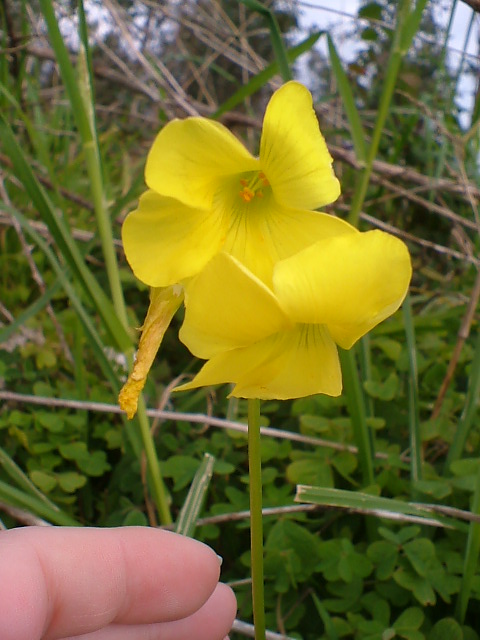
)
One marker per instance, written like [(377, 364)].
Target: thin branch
[(197, 418)]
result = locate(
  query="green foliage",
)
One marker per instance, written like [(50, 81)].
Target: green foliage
[(373, 567)]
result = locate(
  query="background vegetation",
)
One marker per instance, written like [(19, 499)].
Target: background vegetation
[(387, 544)]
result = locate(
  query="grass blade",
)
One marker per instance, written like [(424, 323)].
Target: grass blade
[(79, 89), (18, 498), (470, 409), (258, 81), (351, 111), (470, 561), (22, 481), (188, 516), (413, 400), (326, 619), (90, 331), (407, 22), (63, 238), (275, 35), (378, 506)]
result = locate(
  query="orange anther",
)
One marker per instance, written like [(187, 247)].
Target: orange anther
[(247, 194)]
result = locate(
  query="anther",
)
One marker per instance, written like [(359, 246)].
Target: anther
[(247, 194)]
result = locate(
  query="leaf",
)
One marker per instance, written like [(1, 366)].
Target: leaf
[(411, 619), (384, 555), (420, 587), (421, 553), (44, 481), (50, 421), (446, 629), (287, 539), (308, 471), (70, 481), (383, 390), (135, 518), (93, 463), (181, 469), (372, 11)]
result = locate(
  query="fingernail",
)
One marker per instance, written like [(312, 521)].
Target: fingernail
[(220, 562)]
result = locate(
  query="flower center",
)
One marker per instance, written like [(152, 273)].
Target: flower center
[(252, 186)]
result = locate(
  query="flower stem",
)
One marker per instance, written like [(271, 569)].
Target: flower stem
[(256, 521)]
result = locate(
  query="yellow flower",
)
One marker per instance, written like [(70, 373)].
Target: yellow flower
[(208, 194), (282, 343)]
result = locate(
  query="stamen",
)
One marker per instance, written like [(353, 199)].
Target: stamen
[(247, 194), (251, 188), (263, 178)]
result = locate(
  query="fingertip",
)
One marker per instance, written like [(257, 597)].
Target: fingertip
[(227, 606)]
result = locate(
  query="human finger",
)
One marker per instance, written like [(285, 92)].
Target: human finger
[(211, 622), (58, 582)]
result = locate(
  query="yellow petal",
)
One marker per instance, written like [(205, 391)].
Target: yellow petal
[(163, 305), (291, 364), (227, 307), (263, 231), (350, 283), (189, 157), (293, 152), (166, 241)]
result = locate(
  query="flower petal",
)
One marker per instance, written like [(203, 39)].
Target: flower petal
[(189, 157), (262, 231), (163, 305), (293, 153), (290, 364), (350, 283), (227, 307), (166, 241)]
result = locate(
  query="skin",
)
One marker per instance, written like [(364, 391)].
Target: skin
[(130, 583)]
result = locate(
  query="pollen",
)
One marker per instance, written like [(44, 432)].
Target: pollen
[(263, 178), (247, 194), (253, 187)]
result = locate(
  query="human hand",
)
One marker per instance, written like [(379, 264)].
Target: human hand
[(130, 583)]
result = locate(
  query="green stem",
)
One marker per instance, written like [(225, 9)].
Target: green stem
[(256, 520), (356, 408), (153, 466)]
